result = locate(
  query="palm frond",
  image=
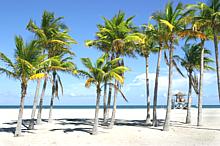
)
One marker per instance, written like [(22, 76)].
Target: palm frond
[(8, 73), (168, 24), (178, 69), (89, 82), (25, 63), (60, 83), (116, 87), (6, 60), (166, 59), (87, 62)]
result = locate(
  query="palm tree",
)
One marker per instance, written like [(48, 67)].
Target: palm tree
[(41, 102), (100, 73), (174, 19), (191, 62), (31, 124), (44, 67), (199, 25), (145, 42), (27, 57), (64, 65), (58, 64), (54, 39), (210, 19), (116, 30), (111, 38), (161, 39), (213, 15), (101, 43)]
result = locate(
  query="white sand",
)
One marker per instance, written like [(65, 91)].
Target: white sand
[(130, 131)]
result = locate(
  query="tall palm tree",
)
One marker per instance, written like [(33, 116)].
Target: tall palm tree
[(23, 69), (191, 62), (161, 39), (53, 37), (145, 42), (213, 16), (199, 25), (100, 73), (116, 30), (174, 19), (111, 39), (210, 18)]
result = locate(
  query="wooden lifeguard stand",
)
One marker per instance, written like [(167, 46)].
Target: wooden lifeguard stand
[(179, 102)]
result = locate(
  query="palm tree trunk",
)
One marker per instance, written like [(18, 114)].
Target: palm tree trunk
[(109, 102), (96, 120), (51, 108), (52, 98), (109, 96), (169, 96), (31, 125), (114, 107), (199, 118), (156, 88), (188, 116), (217, 61), (147, 91), (19, 122), (104, 103), (41, 102)]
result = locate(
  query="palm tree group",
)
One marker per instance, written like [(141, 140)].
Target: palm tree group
[(49, 54), (102, 73)]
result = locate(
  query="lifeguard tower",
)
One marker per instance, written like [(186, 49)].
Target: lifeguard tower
[(178, 101)]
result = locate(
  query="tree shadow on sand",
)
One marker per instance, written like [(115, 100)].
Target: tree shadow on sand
[(25, 124), (12, 130), (82, 125), (67, 130), (75, 122), (118, 122)]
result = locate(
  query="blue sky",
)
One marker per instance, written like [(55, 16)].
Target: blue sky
[(81, 17)]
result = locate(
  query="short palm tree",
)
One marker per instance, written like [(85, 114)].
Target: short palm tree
[(66, 65), (54, 63), (27, 58), (103, 44), (100, 73), (191, 62)]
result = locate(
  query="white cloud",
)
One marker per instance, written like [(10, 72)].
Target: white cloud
[(79, 90), (179, 83), (209, 78)]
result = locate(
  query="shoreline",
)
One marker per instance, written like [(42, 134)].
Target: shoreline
[(101, 107)]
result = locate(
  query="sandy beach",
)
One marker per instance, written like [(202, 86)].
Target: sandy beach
[(73, 126)]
